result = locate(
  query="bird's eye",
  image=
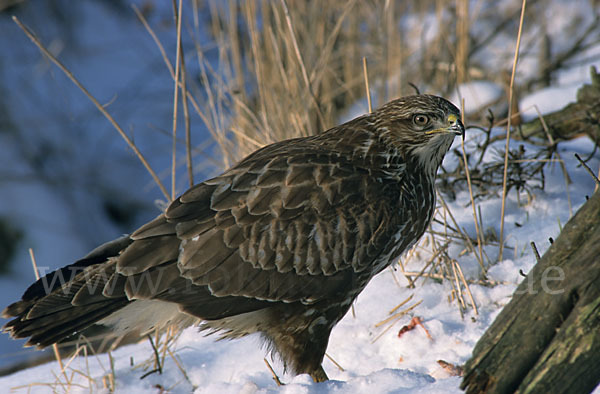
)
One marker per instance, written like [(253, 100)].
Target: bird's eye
[(421, 120)]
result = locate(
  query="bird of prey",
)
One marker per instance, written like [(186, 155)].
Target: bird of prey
[(280, 244)]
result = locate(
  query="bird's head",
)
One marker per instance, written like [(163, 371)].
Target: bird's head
[(422, 127)]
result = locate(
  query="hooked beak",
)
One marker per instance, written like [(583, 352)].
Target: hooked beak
[(456, 126)]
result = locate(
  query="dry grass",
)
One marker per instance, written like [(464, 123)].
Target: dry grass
[(303, 64), (508, 128)]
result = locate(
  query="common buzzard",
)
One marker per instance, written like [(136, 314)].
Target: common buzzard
[(280, 244)]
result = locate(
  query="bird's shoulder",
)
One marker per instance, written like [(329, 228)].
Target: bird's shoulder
[(314, 173)]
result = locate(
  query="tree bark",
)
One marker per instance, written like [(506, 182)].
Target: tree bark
[(547, 339)]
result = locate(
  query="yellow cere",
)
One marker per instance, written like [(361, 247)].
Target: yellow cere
[(451, 120)]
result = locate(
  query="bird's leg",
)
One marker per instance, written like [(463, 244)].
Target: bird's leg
[(319, 375)]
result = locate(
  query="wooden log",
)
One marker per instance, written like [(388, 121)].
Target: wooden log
[(547, 339), (574, 120)]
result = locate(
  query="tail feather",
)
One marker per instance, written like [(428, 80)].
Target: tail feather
[(66, 330), (61, 326), (90, 287), (85, 288), (68, 300), (54, 303), (56, 279)]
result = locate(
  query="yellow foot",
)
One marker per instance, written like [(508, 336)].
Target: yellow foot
[(319, 375)]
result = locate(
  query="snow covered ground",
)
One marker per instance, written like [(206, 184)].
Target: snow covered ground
[(374, 358)]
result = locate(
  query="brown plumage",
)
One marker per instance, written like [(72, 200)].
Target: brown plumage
[(280, 244)]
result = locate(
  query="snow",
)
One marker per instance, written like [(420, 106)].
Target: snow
[(478, 95), (547, 100), (373, 359)]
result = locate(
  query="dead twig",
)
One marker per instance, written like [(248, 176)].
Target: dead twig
[(275, 377), (177, 12), (468, 175), (288, 20), (367, 90), (54, 346), (535, 252), (588, 169), (510, 106), (31, 35), (335, 362)]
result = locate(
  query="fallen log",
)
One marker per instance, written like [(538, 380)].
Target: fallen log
[(547, 339)]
